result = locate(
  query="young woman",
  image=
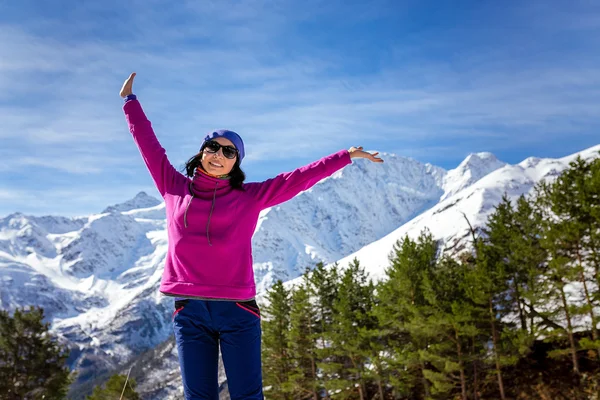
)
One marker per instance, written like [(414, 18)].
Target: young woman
[(211, 217)]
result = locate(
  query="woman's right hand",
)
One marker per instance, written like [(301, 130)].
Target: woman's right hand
[(127, 88)]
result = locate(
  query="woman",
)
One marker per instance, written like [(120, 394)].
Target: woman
[(211, 217)]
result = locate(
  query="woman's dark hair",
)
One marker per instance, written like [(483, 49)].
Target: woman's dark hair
[(236, 176)]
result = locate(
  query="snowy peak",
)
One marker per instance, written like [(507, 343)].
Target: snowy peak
[(474, 160), (21, 235), (341, 214), (472, 169), (105, 247), (141, 200), (447, 220)]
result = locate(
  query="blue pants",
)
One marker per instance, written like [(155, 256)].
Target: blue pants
[(200, 327)]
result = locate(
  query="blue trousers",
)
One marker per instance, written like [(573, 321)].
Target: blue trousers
[(200, 327)]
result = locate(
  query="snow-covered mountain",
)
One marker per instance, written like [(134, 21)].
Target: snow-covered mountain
[(472, 169), (447, 220), (97, 277), (342, 214), (141, 200)]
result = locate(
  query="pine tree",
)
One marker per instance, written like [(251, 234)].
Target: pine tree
[(560, 274), (503, 234), (302, 344), (375, 351), (514, 239), (487, 282), (399, 300), (117, 387), (275, 347), (352, 316), (558, 233), (450, 321), (32, 363), (593, 185), (514, 251), (575, 195), (324, 283), (569, 202), (529, 264)]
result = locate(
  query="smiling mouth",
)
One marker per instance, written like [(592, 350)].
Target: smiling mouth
[(212, 164)]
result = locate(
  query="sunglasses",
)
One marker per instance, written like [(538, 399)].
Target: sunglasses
[(229, 152)]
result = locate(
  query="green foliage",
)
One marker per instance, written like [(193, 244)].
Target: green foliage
[(399, 310), (116, 386), (571, 237), (302, 378), (451, 322), (351, 320), (276, 361), (514, 317), (32, 363)]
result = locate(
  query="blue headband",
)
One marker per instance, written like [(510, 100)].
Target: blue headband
[(232, 136)]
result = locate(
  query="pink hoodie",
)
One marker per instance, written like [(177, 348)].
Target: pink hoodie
[(212, 256)]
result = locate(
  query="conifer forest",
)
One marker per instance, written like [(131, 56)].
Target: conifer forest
[(513, 314)]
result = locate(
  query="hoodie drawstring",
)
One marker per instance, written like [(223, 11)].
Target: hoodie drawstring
[(212, 207), (188, 206)]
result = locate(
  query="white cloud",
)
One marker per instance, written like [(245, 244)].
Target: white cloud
[(79, 200), (207, 65)]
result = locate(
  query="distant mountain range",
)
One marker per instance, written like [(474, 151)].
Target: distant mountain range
[(97, 277)]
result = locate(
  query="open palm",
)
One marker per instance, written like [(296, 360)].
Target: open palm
[(127, 88), (357, 152)]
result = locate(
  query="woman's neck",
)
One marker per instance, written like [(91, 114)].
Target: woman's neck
[(202, 171)]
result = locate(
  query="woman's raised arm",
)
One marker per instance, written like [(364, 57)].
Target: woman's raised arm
[(165, 176)]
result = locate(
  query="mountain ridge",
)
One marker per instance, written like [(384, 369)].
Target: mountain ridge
[(104, 269)]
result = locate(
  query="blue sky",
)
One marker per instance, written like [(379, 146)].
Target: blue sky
[(431, 80)]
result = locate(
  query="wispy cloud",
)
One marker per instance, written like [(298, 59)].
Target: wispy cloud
[(73, 202), (298, 80)]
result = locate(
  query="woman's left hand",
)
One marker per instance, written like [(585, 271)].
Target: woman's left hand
[(357, 152)]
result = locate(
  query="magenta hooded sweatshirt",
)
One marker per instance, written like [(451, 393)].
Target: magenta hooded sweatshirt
[(209, 224)]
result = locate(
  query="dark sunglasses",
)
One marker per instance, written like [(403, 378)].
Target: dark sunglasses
[(228, 151)]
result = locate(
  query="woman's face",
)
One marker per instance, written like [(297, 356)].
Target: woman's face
[(215, 163)]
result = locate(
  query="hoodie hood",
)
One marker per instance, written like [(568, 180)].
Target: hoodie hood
[(206, 187)]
